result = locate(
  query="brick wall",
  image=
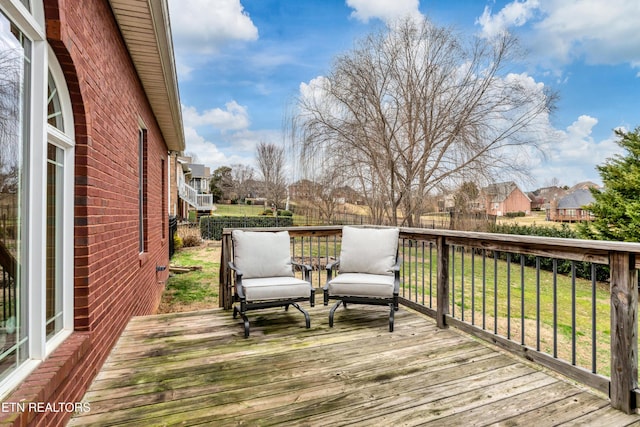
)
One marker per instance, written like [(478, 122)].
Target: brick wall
[(112, 280)]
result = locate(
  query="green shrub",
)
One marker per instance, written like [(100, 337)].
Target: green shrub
[(211, 226), (177, 241), (515, 214), (285, 213), (267, 212), (583, 269)]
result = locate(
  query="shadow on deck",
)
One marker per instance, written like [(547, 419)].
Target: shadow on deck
[(197, 369)]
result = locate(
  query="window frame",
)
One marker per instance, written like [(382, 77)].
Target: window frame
[(39, 134), (143, 165)]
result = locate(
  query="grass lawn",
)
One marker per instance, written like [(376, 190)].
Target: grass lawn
[(238, 210), (505, 290), (196, 290)]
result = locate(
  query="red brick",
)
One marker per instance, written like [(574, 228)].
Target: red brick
[(110, 283)]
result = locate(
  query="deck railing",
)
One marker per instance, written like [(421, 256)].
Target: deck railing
[(570, 305)]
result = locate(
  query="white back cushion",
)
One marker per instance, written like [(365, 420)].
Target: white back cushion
[(368, 250), (262, 254)]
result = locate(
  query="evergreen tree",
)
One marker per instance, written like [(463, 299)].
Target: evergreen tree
[(617, 205), (221, 183)]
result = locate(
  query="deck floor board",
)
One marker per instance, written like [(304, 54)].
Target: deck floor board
[(197, 369)]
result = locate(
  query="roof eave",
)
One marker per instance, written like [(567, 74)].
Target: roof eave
[(146, 29)]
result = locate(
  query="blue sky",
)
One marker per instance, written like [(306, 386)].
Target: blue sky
[(241, 64)]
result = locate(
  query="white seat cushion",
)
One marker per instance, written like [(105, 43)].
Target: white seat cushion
[(368, 250), (275, 288), (361, 285), (262, 253)]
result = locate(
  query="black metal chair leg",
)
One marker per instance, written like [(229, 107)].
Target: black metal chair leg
[(391, 314), (246, 324), (332, 311), (306, 315)]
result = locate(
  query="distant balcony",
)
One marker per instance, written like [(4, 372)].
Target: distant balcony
[(199, 201)]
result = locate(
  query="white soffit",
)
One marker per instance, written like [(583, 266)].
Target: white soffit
[(146, 30)]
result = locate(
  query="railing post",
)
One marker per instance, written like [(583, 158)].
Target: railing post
[(624, 331), (225, 290), (442, 282)]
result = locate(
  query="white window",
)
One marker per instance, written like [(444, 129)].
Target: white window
[(36, 195)]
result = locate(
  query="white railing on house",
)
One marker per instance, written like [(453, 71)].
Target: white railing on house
[(199, 201)]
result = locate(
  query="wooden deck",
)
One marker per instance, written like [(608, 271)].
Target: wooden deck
[(197, 369)]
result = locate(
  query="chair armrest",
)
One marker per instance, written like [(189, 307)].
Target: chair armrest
[(306, 270), (396, 276), (238, 275), (335, 264), (330, 267), (234, 268)]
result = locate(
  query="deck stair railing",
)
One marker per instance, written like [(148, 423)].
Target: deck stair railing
[(200, 201), (570, 305)]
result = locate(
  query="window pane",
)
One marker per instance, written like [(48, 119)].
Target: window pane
[(55, 169), (142, 171), (54, 110), (14, 97)]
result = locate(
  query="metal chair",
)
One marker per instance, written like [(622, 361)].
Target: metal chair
[(264, 275), (368, 270)]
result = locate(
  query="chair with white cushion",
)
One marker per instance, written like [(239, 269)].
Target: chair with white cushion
[(368, 270), (264, 275)]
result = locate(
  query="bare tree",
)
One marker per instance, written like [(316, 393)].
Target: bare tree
[(318, 175), (271, 164), (416, 106)]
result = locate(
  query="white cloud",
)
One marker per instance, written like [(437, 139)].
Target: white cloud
[(385, 10), (247, 140), (208, 153), (233, 117), (200, 29), (229, 128), (573, 154), (199, 26), (594, 30), (314, 89), (513, 14)]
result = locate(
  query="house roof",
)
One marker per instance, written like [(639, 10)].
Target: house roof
[(576, 200), (500, 191), (585, 185), (146, 30), (197, 170), (550, 193)]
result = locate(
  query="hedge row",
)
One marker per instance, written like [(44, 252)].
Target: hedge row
[(211, 226), (583, 269)]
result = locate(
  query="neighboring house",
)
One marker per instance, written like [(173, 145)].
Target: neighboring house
[(183, 196), (570, 208), (541, 198), (89, 113), (199, 177), (503, 198), (584, 185)]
